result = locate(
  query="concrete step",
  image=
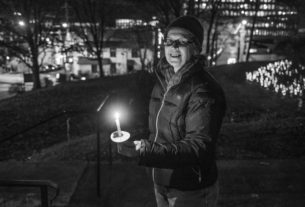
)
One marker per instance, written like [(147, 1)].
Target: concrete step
[(65, 174)]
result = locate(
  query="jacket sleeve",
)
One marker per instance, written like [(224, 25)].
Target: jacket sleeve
[(196, 144)]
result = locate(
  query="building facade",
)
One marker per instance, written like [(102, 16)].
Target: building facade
[(269, 20)]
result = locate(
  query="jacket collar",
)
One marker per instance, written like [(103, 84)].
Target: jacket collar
[(168, 78)]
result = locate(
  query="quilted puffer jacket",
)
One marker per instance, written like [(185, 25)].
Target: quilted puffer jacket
[(185, 117)]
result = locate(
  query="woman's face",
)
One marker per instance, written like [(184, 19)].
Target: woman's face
[(179, 47)]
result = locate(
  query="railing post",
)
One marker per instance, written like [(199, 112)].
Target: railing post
[(68, 128), (110, 152), (98, 147), (43, 185), (98, 154), (44, 196)]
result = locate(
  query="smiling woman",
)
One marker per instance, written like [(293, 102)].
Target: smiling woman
[(179, 47), (183, 40), (186, 110)]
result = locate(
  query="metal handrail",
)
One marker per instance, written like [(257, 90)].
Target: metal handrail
[(32, 127), (42, 184), (61, 114), (97, 112)]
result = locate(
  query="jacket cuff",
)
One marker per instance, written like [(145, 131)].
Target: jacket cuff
[(145, 144)]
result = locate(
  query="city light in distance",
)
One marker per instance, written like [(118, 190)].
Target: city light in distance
[(65, 25), (21, 23)]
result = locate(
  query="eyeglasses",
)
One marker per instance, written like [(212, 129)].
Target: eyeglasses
[(177, 43)]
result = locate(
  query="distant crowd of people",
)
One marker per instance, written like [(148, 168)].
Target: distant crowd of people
[(283, 77)]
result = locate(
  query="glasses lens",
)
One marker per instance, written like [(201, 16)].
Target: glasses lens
[(177, 43), (184, 43), (168, 42)]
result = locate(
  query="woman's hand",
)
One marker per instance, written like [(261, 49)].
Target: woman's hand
[(129, 148)]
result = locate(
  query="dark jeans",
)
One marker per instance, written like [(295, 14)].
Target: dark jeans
[(170, 197)]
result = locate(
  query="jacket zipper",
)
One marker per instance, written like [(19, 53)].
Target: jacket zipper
[(157, 131), (198, 173)]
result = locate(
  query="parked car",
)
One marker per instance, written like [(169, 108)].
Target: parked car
[(48, 68), (50, 75)]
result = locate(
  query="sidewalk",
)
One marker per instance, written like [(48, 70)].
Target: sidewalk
[(243, 183), (122, 185), (262, 183)]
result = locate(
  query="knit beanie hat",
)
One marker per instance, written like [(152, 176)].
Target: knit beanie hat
[(190, 24)]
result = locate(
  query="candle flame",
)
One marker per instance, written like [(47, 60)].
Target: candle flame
[(117, 115)]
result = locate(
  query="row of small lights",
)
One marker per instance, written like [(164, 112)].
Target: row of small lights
[(22, 24), (281, 76)]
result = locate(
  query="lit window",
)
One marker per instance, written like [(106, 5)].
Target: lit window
[(231, 60), (134, 53), (203, 5), (112, 52)]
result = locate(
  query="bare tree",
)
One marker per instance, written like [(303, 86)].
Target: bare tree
[(214, 45), (257, 5), (177, 7), (91, 17), (213, 14), (191, 7), (142, 36), (164, 9), (26, 28)]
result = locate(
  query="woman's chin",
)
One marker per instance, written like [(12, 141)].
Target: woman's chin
[(175, 65)]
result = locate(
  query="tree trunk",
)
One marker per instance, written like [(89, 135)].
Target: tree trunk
[(211, 24), (177, 7), (142, 58), (257, 3), (35, 68), (191, 7), (100, 63), (214, 47), (155, 57)]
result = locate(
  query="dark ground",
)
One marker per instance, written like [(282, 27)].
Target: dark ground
[(261, 147), (243, 183)]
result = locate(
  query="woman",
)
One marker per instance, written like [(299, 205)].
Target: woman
[(185, 114)]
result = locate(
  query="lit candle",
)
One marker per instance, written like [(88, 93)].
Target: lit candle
[(117, 122)]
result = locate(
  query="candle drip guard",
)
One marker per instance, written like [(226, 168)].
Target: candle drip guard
[(119, 137)]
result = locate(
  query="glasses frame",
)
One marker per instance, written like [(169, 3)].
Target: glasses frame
[(177, 43)]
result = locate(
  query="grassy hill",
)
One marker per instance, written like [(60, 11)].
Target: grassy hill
[(259, 123)]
